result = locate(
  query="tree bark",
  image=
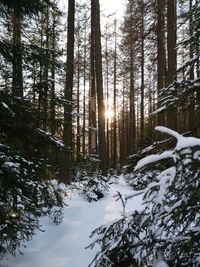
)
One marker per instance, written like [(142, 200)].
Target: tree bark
[(78, 138), (142, 73), (17, 76), (92, 97), (172, 57), (45, 84), (67, 132), (161, 55), (84, 86), (122, 127), (132, 126), (115, 99), (52, 96), (99, 79), (109, 155), (191, 103)]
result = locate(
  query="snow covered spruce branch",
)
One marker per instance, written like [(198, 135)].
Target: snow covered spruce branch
[(170, 218), (26, 167)]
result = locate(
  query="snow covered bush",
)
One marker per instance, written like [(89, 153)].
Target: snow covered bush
[(85, 167), (170, 218), (95, 187), (112, 176), (56, 215), (140, 179)]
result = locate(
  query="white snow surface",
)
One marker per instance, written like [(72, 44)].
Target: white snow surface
[(161, 264), (158, 260), (64, 245)]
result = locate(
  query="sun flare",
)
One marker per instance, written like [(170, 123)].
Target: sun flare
[(109, 113)]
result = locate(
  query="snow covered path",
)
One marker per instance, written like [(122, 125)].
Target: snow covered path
[(64, 245)]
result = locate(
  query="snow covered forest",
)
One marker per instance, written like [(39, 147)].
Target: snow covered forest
[(99, 134)]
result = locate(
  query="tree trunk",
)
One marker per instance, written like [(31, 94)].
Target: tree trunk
[(122, 128), (17, 76), (197, 50), (142, 74), (92, 98), (52, 96), (84, 88), (161, 59), (45, 74), (115, 100), (172, 57), (67, 132), (78, 138), (99, 79), (191, 102), (109, 155), (132, 126)]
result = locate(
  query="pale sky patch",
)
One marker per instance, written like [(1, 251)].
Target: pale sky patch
[(113, 6)]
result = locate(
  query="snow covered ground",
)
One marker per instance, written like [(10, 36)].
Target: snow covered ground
[(64, 245)]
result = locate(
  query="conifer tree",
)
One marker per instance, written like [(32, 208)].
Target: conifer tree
[(67, 132), (170, 199), (99, 84), (26, 151)]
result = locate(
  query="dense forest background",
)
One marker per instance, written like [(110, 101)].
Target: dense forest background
[(101, 91), (81, 91)]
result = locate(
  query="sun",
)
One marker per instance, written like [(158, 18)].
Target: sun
[(109, 113)]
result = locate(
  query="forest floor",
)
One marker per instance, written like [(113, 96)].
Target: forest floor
[(64, 245)]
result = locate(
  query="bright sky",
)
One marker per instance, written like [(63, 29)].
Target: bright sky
[(112, 6), (107, 6)]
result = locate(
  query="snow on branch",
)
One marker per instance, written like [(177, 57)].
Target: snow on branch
[(163, 108), (51, 138), (153, 158), (168, 131), (182, 142), (175, 94)]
